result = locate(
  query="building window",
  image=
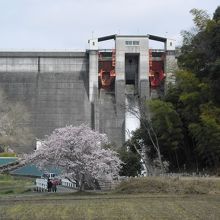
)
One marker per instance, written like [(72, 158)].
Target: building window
[(128, 42), (171, 44), (136, 43)]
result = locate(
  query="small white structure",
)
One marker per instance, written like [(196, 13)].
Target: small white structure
[(93, 44), (170, 44), (38, 145), (67, 183)]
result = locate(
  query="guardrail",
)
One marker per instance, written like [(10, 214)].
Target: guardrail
[(67, 183), (41, 185)]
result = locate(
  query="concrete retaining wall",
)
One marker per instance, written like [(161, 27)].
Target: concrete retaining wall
[(58, 91), (53, 86)]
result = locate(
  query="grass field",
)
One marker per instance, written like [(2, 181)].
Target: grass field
[(145, 198), (140, 206), (14, 185)]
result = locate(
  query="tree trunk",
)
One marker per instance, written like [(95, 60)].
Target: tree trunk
[(161, 162), (82, 183), (147, 163), (177, 161)]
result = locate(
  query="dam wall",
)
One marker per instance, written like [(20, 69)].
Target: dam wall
[(53, 86), (91, 87)]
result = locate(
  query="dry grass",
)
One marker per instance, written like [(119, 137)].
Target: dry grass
[(184, 185), (143, 198), (138, 207)]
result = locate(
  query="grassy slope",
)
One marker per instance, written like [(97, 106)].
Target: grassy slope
[(183, 185), (14, 185)]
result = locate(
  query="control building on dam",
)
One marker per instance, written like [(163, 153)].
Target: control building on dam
[(63, 88)]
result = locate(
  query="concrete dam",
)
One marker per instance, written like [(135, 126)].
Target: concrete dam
[(63, 88)]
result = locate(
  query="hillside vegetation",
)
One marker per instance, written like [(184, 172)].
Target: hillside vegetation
[(182, 132), (170, 185)]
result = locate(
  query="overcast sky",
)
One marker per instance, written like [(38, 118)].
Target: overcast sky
[(68, 24)]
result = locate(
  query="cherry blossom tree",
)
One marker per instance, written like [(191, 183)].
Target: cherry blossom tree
[(79, 152)]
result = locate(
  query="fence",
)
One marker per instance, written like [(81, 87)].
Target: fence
[(41, 185), (67, 183)]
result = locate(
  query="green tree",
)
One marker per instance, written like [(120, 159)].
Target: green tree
[(196, 94), (164, 126), (131, 162), (187, 96), (216, 16), (183, 127), (200, 52), (168, 127), (206, 133), (143, 114), (200, 18)]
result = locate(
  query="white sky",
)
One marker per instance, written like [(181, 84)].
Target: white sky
[(68, 24)]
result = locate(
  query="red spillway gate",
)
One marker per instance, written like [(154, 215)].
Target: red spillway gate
[(156, 67), (106, 69), (107, 72)]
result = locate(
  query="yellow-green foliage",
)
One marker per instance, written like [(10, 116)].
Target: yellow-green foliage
[(184, 185), (7, 154)]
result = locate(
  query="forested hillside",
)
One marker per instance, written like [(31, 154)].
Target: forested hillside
[(184, 125)]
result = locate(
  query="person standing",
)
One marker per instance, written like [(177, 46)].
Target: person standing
[(49, 185), (54, 186)]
